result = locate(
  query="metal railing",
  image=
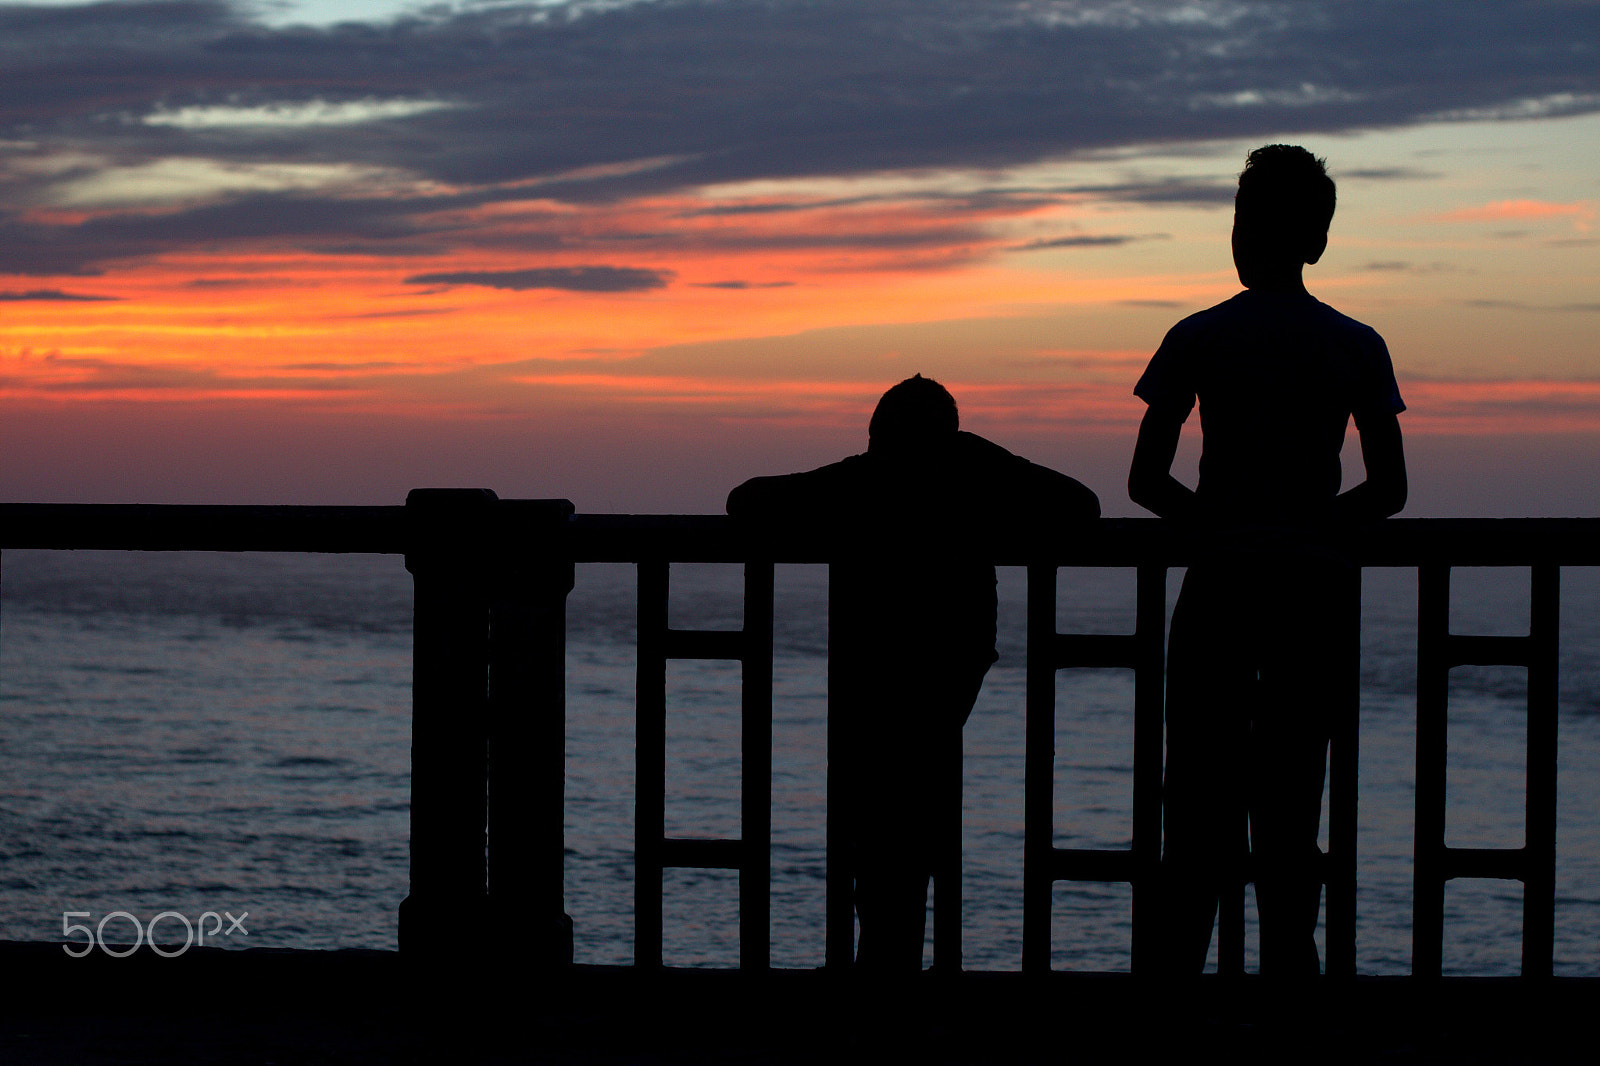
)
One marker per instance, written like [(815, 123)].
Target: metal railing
[(491, 580)]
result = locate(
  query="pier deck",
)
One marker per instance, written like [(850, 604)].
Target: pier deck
[(281, 1006)]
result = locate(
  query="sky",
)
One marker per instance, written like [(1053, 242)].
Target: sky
[(632, 252)]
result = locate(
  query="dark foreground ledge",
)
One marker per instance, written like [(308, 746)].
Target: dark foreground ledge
[(273, 1006)]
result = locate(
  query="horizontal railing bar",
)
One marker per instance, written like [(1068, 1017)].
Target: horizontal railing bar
[(686, 853), (704, 644), (1463, 650), (1504, 864), (204, 527), (1090, 864), (598, 538), (1123, 542), (1076, 650)]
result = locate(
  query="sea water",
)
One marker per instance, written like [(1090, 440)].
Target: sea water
[(224, 741)]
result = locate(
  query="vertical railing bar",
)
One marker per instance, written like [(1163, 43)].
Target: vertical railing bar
[(839, 937), (1544, 634), (1039, 769), (650, 748), (947, 889), (755, 793), (1231, 899), (1433, 694), (1339, 922), (1150, 629)]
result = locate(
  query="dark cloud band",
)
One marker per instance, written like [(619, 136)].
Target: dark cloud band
[(570, 279), (563, 102)]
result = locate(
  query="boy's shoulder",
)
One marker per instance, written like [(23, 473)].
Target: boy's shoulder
[(1333, 318), (1251, 310), (971, 445)]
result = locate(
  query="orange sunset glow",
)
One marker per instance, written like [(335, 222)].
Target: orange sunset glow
[(478, 247)]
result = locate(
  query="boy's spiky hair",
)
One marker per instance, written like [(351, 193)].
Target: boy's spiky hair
[(1285, 187)]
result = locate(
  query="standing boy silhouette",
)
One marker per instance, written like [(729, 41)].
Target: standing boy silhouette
[(914, 630), (1265, 620)]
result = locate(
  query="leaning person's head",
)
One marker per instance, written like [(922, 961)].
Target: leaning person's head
[(1284, 206), (916, 412)]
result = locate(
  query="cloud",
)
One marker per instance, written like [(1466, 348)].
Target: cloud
[(168, 181), (233, 132), (1521, 211), (571, 279), (284, 115), (1581, 214), (1087, 241), (1521, 305), (1388, 174), (1403, 266), (79, 375), (53, 294), (1503, 404)]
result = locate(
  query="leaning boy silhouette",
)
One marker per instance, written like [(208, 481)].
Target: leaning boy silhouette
[(1264, 622), (914, 629)]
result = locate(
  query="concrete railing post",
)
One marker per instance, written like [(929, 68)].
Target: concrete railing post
[(527, 727), (448, 554)]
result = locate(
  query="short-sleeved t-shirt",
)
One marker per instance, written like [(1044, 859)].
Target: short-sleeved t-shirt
[(1278, 377)]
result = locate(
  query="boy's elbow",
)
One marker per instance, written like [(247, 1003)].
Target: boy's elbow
[(1394, 496), (1389, 487), (1136, 492), (1083, 503), (744, 499), (1143, 491)]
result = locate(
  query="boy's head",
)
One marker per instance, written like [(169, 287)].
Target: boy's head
[(914, 412), (1282, 210)]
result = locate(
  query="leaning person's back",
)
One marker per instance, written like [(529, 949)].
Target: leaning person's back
[(915, 524)]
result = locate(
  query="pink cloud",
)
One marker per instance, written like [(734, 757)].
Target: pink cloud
[(1521, 211)]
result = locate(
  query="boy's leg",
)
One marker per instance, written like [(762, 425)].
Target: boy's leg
[(1312, 641), (1210, 686), (887, 842), (891, 902), (908, 807), (1285, 816)]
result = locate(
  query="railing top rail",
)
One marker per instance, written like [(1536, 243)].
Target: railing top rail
[(393, 530), (1107, 542), (204, 527)]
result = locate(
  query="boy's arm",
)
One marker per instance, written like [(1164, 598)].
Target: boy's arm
[(796, 496), (1150, 481), (1028, 488), (758, 496), (1067, 497), (1383, 493)]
